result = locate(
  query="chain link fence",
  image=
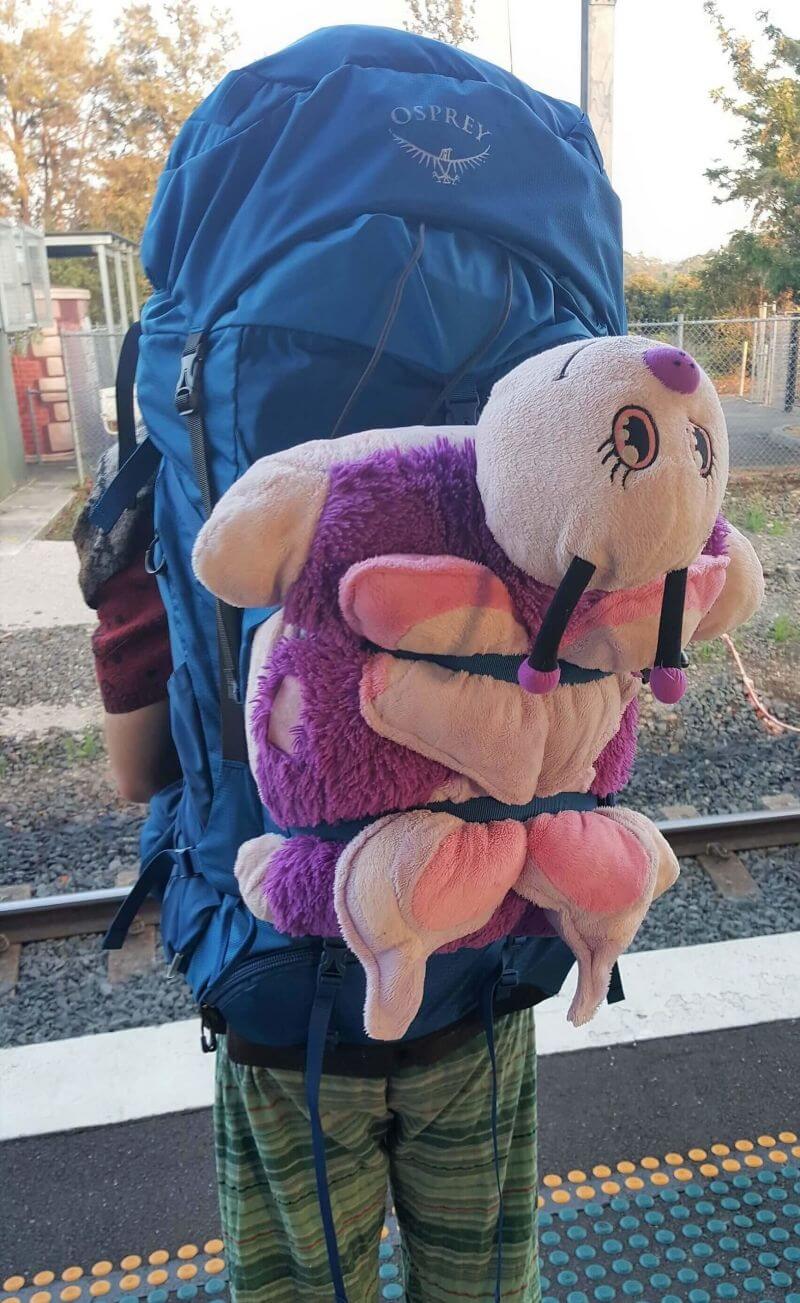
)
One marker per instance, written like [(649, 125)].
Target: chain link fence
[(90, 364), (754, 363)]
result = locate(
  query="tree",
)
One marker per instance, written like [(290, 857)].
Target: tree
[(84, 133), (51, 83), (452, 21), (768, 174), (157, 73)]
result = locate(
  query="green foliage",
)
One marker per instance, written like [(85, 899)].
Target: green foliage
[(87, 747), (452, 21), (83, 132), (766, 259), (784, 629), (706, 653)]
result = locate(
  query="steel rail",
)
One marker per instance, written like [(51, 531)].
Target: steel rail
[(81, 913)]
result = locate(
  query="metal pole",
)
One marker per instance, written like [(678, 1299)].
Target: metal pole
[(743, 372), (679, 323), (73, 411), (120, 279), (108, 310), (132, 286), (791, 369), (597, 71)]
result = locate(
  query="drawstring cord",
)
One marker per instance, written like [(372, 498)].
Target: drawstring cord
[(391, 316)]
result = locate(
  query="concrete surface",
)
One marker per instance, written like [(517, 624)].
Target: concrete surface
[(30, 508), (758, 435), (39, 588), (149, 1184)]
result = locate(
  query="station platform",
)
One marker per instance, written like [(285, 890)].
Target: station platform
[(716, 1223), (669, 1165)]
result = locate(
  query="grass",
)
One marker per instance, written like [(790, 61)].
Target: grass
[(87, 747), (754, 514), (707, 652), (60, 529), (784, 629)]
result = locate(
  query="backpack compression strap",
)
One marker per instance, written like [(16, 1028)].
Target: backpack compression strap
[(189, 402)]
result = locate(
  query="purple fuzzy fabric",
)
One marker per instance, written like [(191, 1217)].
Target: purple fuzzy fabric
[(715, 543), (423, 501)]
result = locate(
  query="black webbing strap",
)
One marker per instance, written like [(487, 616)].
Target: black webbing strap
[(126, 374), (189, 402)]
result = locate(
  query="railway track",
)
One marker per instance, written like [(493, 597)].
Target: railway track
[(714, 839)]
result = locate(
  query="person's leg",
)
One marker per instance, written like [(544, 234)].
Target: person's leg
[(271, 1224), (443, 1176)]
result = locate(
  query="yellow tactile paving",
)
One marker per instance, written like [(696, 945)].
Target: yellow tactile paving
[(190, 1263), (740, 1155)]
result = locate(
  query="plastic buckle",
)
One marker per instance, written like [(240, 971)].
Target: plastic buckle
[(187, 392), (332, 964)]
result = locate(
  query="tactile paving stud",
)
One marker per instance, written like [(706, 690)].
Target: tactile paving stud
[(44, 1278), (158, 1258), (131, 1262), (100, 1287), (188, 1251), (213, 1247), (13, 1283)]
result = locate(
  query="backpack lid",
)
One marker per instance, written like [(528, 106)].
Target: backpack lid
[(357, 120)]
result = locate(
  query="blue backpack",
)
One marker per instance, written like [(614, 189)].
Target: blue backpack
[(364, 230)]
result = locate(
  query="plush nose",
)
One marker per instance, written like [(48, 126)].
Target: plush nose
[(674, 368)]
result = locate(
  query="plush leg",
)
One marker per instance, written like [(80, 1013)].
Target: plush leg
[(409, 884), (289, 882), (596, 875), (250, 868)]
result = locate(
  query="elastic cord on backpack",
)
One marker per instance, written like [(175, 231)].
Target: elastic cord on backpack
[(479, 352), (382, 340)]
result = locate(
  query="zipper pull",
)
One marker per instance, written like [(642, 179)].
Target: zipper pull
[(175, 966)]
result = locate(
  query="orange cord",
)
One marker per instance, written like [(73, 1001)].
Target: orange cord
[(771, 723)]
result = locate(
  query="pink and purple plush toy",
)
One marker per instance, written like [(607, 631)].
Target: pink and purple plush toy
[(466, 615)]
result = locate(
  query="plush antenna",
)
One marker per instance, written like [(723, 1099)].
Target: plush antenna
[(667, 678), (540, 672)]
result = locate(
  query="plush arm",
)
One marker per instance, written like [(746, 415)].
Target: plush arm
[(742, 592), (257, 539)]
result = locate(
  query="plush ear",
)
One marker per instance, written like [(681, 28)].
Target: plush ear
[(253, 546), (431, 604), (742, 593)]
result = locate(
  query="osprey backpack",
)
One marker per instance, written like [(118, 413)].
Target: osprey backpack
[(367, 229)]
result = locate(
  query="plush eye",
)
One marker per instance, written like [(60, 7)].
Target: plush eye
[(703, 456), (635, 438), (633, 442)]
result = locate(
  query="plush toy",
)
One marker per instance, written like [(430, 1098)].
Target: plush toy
[(442, 710)]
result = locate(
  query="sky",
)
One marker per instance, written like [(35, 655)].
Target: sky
[(667, 130)]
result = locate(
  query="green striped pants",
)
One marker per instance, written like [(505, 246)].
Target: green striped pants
[(426, 1131)]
